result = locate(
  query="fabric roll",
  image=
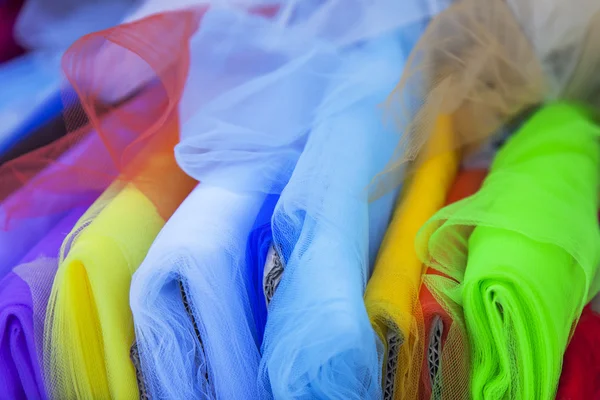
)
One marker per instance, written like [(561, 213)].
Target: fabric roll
[(580, 376), (525, 250), (88, 330), (437, 320), (318, 340), (391, 297), (20, 363), (9, 48), (195, 300)]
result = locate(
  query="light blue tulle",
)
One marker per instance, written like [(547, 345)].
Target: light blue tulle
[(318, 342), (193, 302)]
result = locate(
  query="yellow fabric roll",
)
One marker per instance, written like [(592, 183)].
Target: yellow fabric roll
[(392, 293), (89, 327)]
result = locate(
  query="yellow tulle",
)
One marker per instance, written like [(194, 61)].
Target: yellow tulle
[(89, 327), (392, 292)]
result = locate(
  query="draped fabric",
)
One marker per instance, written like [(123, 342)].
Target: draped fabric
[(436, 319), (19, 345), (195, 301), (580, 377), (89, 328), (391, 297), (528, 237), (318, 339), (9, 48), (30, 96)]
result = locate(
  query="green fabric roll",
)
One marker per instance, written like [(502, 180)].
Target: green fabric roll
[(525, 250)]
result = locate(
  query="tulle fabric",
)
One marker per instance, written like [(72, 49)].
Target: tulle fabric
[(9, 10), (487, 64), (445, 368), (391, 297), (30, 96), (318, 340), (580, 377), (527, 238), (195, 301), (20, 363), (89, 328), (473, 62)]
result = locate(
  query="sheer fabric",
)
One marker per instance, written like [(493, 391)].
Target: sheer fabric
[(20, 369), (440, 376), (580, 376), (30, 96), (195, 299), (318, 339), (528, 237), (89, 328), (391, 297)]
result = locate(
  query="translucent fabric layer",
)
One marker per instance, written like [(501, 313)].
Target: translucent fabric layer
[(580, 376), (318, 340), (20, 363), (525, 250), (473, 62), (30, 96), (194, 300), (445, 371), (89, 328), (392, 294)]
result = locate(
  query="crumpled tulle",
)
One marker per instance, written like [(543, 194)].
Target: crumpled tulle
[(195, 300), (89, 328), (392, 293), (440, 377), (19, 344), (580, 377), (318, 341), (528, 238), (9, 10), (30, 96)]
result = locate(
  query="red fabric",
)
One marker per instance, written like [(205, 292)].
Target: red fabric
[(580, 379), (9, 11), (466, 184)]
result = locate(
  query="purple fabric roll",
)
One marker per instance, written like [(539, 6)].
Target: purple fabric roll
[(20, 360)]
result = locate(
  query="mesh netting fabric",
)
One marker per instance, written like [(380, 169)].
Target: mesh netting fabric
[(318, 340), (445, 373), (473, 62), (391, 297), (528, 238), (22, 315), (194, 300), (89, 327)]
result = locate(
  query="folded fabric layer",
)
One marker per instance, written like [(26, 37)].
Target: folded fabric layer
[(20, 343), (9, 10), (318, 340), (30, 96), (193, 299), (391, 297), (70, 174), (89, 328), (437, 320), (525, 250), (580, 377)]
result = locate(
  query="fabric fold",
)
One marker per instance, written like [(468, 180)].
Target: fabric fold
[(89, 327), (525, 250), (391, 297)]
